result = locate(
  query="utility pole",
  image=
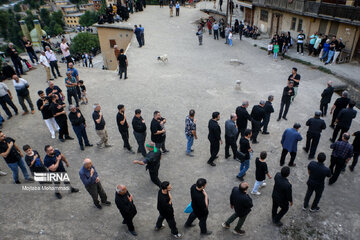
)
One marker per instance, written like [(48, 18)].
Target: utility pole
[(227, 11)]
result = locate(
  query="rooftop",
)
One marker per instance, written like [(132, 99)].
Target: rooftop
[(74, 15)]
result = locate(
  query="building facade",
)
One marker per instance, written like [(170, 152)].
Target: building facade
[(72, 20)]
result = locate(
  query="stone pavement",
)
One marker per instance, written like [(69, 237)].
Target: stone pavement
[(199, 77)]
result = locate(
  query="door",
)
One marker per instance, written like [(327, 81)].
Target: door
[(276, 23), (333, 28), (357, 51), (323, 26)]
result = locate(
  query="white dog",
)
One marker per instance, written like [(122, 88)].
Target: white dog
[(163, 58)]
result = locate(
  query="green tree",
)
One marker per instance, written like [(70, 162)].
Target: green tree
[(77, 2), (45, 16), (14, 30), (4, 24), (103, 7), (58, 18), (84, 42), (17, 7), (33, 4), (88, 19), (29, 19)]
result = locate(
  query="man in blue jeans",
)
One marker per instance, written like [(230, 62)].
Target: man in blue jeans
[(333, 46), (190, 131), (13, 157), (245, 148)]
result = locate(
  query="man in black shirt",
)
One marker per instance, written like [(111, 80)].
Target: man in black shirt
[(317, 174), (343, 120), (281, 195), (356, 150), (333, 45), (152, 161), (30, 50), (54, 89), (100, 127), (79, 125), (123, 126), (241, 202), (268, 110), (338, 48), (288, 92), (257, 115), (139, 126), (57, 109), (123, 63), (43, 104), (166, 211), (316, 125), (125, 203), (14, 55), (158, 131), (326, 98), (13, 157), (214, 137), (339, 104), (245, 149), (200, 206), (242, 118), (295, 78)]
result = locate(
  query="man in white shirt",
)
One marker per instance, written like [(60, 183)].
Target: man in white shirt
[(66, 51), (43, 61), (21, 86), (6, 99), (50, 55)]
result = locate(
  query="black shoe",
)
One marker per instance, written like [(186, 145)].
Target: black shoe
[(133, 233), (30, 179), (226, 157), (189, 226), (278, 119), (166, 151), (16, 113), (17, 182), (332, 126), (255, 142), (82, 148), (9, 117), (207, 233), (278, 224), (62, 140), (265, 133), (351, 168), (89, 145), (240, 178), (60, 76), (284, 118), (58, 195), (331, 140), (316, 209), (107, 203), (311, 158), (292, 165), (306, 150), (69, 138), (282, 164), (74, 190), (126, 78), (98, 206), (212, 164), (131, 151)]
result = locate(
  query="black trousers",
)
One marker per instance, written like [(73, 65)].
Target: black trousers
[(154, 176), (318, 192), (170, 221), (335, 114), (128, 221), (72, 93), (202, 221), (18, 66), (96, 190), (54, 65), (338, 164), (355, 159), (177, 11), (312, 141), (214, 150), (138, 38), (123, 70), (160, 145), (7, 100), (323, 108), (80, 132), (140, 139), (276, 216), (241, 131), (338, 129), (62, 122), (300, 45), (255, 128), (266, 122), (216, 34), (125, 137), (230, 142), (283, 155), (287, 106)]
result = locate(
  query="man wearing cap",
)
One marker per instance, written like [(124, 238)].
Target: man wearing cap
[(231, 133), (326, 98), (79, 125), (125, 203), (139, 127), (289, 141), (288, 92), (339, 104), (152, 161), (257, 115), (316, 125), (71, 83), (268, 110), (91, 181)]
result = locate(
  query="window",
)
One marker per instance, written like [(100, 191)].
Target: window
[(112, 43), (299, 28), (264, 15), (293, 23)]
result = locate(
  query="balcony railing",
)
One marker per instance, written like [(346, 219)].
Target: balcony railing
[(285, 5), (333, 10)]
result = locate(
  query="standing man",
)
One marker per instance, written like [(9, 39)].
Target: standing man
[(123, 64), (65, 49), (21, 86), (142, 33), (14, 55), (317, 174), (6, 98), (289, 142), (177, 8), (125, 203), (50, 55), (100, 127), (214, 137), (166, 210), (340, 156), (58, 112), (241, 202), (241, 29), (242, 118), (152, 161), (158, 132), (220, 4), (343, 120), (356, 150), (43, 104), (190, 131), (79, 125), (268, 110), (200, 206), (54, 90), (139, 127), (281, 195), (246, 150), (288, 92), (54, 162), (91, 181), (339, 104), (45, 63), (75, 74), (71, 84), (215, 27), (30, 50), (316, 125), (123, 126), (231, 133), (300, 42), (333, 45), (326, 98), (257, 116), (137, 33), (295, 78), (171, 6), (338, 50), (13, 157)]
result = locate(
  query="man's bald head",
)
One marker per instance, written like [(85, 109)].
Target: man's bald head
[(121, 189), (243, 186), (87, 163)]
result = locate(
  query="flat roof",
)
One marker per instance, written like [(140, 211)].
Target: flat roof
[(114, 26), (68, 6), (74, 15)]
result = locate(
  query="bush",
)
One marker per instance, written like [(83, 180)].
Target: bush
[(84, 42)]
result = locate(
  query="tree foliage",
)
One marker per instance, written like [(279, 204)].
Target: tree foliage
[(29, 19), (33, 4), (10, 28), (45, 17), (84, 42), (58, 18), (17, 7), (4, 23), (88, 19), (77, 2)]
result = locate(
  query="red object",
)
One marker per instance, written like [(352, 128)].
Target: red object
[(28, 64)]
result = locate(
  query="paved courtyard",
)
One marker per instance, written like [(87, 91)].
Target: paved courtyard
[(198, 77)]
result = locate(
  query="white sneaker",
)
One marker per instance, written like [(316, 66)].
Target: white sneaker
[(35, 64), (263, 185), (3, 173), (177, 235), (53, 136), (302, 54), (256, 193)]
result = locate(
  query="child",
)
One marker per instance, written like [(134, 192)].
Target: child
[(276, 50), (284, 50), (260, 172), (83, 92), (230, 38), (270, 48), (33, 160)]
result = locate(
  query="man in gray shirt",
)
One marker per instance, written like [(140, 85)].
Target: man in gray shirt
[(231, 132), (216, 30), (5, 98)]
